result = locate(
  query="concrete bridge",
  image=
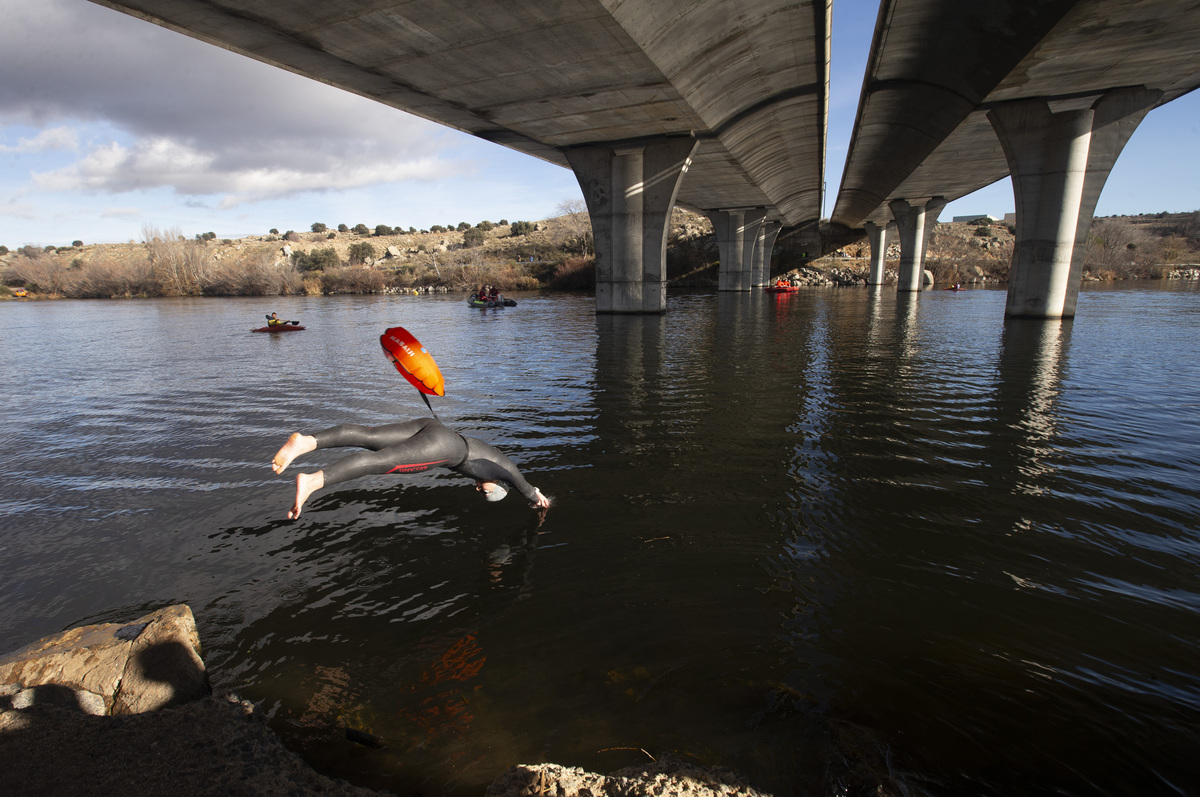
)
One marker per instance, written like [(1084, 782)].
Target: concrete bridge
[(959, 95), (722, 107)]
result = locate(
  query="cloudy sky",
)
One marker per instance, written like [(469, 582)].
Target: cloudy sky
[(109, 124)]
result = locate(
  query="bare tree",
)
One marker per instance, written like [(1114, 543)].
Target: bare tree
[(181, 266), (1116, 246), (578, 225), (41, 270)]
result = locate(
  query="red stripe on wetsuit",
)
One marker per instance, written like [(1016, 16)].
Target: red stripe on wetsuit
[(418, 467)]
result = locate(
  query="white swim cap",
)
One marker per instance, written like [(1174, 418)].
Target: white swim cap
[(497, 493)]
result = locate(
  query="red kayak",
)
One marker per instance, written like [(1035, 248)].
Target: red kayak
[(279, 328), (782, 289)]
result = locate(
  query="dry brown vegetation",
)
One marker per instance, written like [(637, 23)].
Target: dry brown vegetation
[(556, 253), (1117, 248), (166, 263)]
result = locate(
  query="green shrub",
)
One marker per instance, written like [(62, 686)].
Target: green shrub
[(983, 231), (361, 252), (316, 260), (484, 225), (318, 227), (473, 238), (437, 228), (76, 244), (462, 225), (274, 231), (343, 228), (383, 229), (362, 229), (521, 228)]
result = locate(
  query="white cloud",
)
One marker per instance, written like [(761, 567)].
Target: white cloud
[(18, 210), (121, 213), (194, 119), (50, 139), (234, 176)]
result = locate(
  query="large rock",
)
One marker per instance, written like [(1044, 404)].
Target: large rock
[(111, 668)]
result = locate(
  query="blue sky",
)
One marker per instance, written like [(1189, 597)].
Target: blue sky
[(110, 125)]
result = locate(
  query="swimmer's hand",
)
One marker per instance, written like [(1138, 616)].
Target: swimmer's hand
[(540, 501)]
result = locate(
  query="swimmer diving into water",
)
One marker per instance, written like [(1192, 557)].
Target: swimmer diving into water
[(407, 447)]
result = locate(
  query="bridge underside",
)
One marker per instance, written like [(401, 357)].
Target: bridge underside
[(748, 82), (945, 86)]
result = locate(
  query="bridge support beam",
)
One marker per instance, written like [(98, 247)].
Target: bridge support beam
[(914, 220), (737, 233), (1059, 162), (877, 236), (768, 231), (630, 190)]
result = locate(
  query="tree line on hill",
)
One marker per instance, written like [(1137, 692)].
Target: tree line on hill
[(518, 255), (556, 253)]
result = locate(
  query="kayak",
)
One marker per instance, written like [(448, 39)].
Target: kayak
[(279, 328), (475, 302), (782, 288)]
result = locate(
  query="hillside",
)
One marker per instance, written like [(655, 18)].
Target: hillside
[(554, 253)]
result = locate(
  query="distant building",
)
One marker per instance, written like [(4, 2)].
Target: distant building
[(982, 217)]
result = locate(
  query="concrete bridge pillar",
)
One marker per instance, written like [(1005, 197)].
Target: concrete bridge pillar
[(1059, 161), (914, 220), (728, 227), (630, 190), (877, 236), (768, 231), (737, 233)]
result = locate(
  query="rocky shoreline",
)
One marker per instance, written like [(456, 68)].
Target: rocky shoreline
[(126, 709)]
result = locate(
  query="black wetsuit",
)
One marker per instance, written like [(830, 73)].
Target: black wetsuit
[(416, 446)]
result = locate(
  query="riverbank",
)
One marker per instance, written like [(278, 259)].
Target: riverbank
[(223, 746), (125, 708), (551, 254)]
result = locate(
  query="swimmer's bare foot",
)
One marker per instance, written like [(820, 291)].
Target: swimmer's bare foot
[(306, 485), (296, 445)]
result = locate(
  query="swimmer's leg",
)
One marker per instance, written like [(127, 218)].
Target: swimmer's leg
[(370, 437), (296, 445), (306, 485), (412, 456), (346, 435)]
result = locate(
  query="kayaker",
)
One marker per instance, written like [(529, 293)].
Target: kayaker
[(273, 320), (406, 447)]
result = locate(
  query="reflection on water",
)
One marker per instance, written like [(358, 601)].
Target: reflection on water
[(830, 539)]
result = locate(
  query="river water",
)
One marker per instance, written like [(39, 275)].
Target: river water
[(827, 540)]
